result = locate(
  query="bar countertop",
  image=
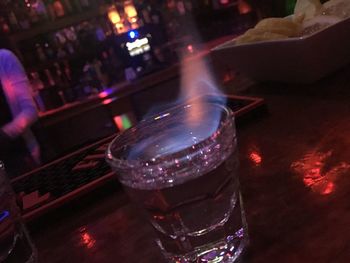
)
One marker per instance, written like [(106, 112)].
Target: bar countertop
[(295, 183)]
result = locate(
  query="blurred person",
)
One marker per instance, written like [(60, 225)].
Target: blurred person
[(19, 149)]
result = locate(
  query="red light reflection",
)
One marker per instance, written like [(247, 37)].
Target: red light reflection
[(107, 101), (255, 157), (190, 48), (314, 175), (86, 239), (118, 120), (244, 7), (329, 189), (228, 75), (103, 94)]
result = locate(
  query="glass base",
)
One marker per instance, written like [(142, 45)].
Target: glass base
[(226, 251)]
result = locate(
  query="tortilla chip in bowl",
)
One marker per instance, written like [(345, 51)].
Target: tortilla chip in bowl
[(295, 59)]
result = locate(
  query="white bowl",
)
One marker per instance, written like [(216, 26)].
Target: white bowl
[(303, 59)]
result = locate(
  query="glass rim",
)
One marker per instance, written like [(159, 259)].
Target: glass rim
[(124, 163)]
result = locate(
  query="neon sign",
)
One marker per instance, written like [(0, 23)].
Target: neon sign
[(138, 47)]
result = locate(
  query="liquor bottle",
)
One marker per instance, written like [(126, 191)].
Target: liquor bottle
[(70, 34), (49, 50), (60, 42), (107, 27), (13, 21), (60, 38), (181, 9), (53, 95), (21, 15), (66, 74), (97, 65), (61, 53), (66, 93), (68, 6), (50, 9), (49, 78), (39, 8), (4, 25), (130, 12), (37, 85), (40, 52), (145, 11), (70, 39), (58, 75), (70, 47), (155, 16), (171, 4), (32, 14), (59, 8), (100, 33), (67, 71), (36, 82), (92, 83)]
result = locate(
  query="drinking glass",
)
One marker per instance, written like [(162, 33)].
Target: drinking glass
[(15, 243), (180, 167)]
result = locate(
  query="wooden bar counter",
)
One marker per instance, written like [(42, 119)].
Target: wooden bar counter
[(295, 182)]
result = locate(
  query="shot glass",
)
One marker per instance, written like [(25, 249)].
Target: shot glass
[(15, 243), (180, 167)]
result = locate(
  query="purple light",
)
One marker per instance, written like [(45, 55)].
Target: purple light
[(3, 215)]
